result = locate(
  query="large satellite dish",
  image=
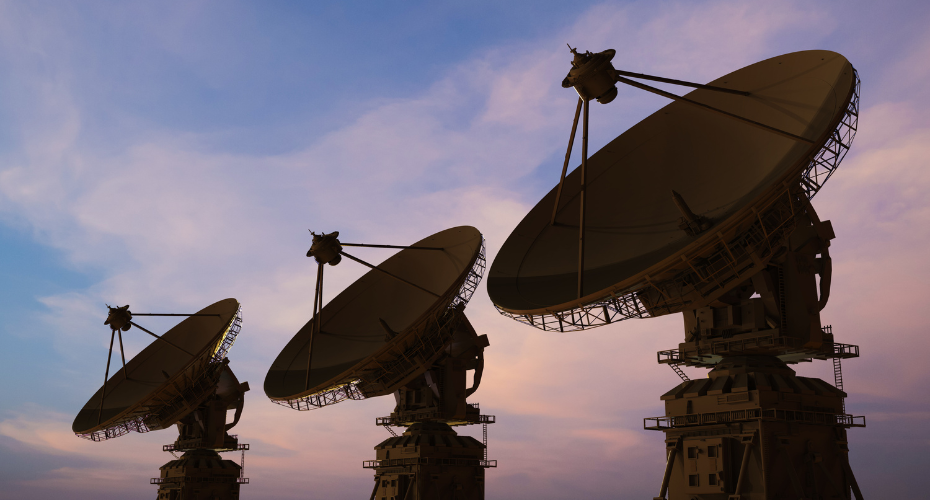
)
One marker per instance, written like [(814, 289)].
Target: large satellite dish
[(183, 378), (399, 329), (703, 208), (676, 208)]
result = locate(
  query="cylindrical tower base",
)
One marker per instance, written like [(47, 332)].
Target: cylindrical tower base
[(754, 430), (199, 475), (429, 462)]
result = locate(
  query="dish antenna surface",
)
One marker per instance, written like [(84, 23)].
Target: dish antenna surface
[(676, 192), (399, 329), (703, 208), (182, 378)]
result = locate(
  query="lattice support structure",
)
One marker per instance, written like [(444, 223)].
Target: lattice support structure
[(829, 157), (232, 332)]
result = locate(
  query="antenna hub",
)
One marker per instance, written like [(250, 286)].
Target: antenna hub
[(326, 248), (593, 76), (119, 318)]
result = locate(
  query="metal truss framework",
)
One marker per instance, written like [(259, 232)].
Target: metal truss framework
[(238, 447), (229, 338), (191, 479), (426, 341), (765, 342), (732, 258), (156, 409), (771, 414), (400, 421), (399, 462), (135, 424), (829, 157)]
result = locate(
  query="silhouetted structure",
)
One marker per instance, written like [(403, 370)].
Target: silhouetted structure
[(703, 208), (182, 378), (400, 329)]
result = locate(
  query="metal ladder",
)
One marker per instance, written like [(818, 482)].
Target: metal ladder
[(484, 430), (838, 380)]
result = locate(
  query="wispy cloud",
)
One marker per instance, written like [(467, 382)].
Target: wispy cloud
[(176, 224)]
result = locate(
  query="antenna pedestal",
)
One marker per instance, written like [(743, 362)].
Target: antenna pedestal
[(755, 430), (201, 473), (430, 461)]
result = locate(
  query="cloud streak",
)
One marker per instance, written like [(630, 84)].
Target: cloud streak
[(175, 224)]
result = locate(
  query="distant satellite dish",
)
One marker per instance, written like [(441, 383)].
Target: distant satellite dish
[(161, 384), (399, 329), (383, 330), (182, 378), (669, 215)]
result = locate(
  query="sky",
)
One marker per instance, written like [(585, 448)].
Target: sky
[(169, 155)]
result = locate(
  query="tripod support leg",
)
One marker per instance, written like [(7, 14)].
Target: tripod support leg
[(584, 171), (106, 376), (568, 154), (122, 353), (317, 310)]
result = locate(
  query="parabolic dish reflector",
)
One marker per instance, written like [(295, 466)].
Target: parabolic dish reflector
[(354, 356), (161, 383), (729, 172)]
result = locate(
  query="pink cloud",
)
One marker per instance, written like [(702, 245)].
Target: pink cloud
[(570, 406)]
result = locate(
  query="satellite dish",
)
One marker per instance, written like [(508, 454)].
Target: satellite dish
[(182, 378), (192, 350), (368, 333), (704, 208), (399, 329), (682, 204)]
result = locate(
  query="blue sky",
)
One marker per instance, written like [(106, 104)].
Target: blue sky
[(171, 155)]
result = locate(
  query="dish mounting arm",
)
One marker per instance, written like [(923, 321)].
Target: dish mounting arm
[(316, 320), (106, 377), (675, 97), (683, 83), (593, 77), (120, 320), (582, 105), (327, 249)]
